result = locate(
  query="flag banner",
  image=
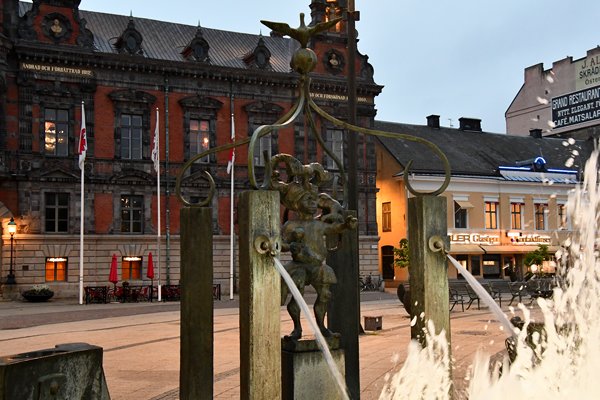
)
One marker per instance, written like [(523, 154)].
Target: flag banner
[(231, 160), (82, 139), (155, 142)]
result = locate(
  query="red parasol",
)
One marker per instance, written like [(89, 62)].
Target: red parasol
[(112, 277), (150, 272)]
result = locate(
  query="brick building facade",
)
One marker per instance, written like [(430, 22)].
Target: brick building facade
[(54, 56)]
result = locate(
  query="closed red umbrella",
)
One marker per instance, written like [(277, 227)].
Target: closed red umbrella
[(112, 276), (150, 273)]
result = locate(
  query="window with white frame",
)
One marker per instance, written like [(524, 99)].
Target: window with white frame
[(540, 216), (491, 215), (516, 215), (131, 136), (460, 215)]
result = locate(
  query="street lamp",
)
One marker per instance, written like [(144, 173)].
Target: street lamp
[(12, 229)]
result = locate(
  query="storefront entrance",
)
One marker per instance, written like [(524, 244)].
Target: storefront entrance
[(491, 266)]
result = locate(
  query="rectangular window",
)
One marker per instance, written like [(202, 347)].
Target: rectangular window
[(131, 213), (335, 141), (131, 137), (131, 268), (56, 269), (540, 216), (261, 146), (460, 216), (56, 132), (562, 216), (491, 215), (57, 212), (199, 138), (516, 216), (386, 217)]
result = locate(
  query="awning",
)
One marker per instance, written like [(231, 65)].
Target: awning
[(509, 249), (464, 204), (465, 249)]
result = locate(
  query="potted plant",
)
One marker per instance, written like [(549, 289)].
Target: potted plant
[(38, 293)]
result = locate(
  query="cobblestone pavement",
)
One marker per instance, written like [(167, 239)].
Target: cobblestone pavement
[(141, 341)]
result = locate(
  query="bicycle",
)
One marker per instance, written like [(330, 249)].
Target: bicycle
[(367, 284)]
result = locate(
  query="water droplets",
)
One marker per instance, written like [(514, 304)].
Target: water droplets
[(569, 163), (542, 100)]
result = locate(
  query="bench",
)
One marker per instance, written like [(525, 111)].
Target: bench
[(96, 294)]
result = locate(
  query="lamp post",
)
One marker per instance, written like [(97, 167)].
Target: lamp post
[(12, 229)]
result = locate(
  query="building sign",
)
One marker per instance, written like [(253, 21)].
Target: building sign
[(56, 69), (587, 72), (473, 238), (531, 239), (339, 97), (576, 108)]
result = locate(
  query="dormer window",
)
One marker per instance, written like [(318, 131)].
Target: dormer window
[(130, 40), (260, 57), (198, 48)]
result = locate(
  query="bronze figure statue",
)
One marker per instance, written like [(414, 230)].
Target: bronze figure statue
[(318, 218)]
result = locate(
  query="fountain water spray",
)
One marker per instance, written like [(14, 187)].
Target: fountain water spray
[(562, 361), (337, 376)]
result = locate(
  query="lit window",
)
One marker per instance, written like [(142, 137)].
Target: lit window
[(386, 217), (516, 214), (491, 215), (335, 141), (131, 137), (56, 269), (131, 268), (56, 132), (460, 216), (131, 214), (199, 138), (57, 212), (540, 216)]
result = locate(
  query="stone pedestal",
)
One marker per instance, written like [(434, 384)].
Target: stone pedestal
[(305, 373)]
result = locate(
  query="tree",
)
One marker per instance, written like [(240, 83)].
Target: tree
[(537, 256), (401, 257)]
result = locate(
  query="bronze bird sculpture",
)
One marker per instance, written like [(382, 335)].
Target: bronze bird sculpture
[(303, 33)]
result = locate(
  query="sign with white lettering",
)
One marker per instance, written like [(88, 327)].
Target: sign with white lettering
[(339, 97), (576, 108), (57, 69), (473, 238)]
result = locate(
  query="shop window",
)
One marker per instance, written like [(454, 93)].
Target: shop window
[(386, 217), (56, 132), (541, 211), (491, 215), (131, 137), (516, 214), (56, 213), (131, 213), (335, 141), (131, 268), (56, 269), (460, 216), (491, 266), (199, 138)]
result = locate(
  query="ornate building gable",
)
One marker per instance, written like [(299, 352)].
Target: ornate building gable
[(57, 22), (132, 177), (58, 174), (130, 40), (198, 48), (260, 57)]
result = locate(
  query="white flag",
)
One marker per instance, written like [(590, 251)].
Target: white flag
[(155, 142), (82, 139)]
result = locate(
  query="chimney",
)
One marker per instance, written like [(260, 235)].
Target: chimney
[(469, 124), (535, 133), (433, 121)]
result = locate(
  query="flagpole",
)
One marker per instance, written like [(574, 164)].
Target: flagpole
[(157, 167), (231, 204), (82, 154)]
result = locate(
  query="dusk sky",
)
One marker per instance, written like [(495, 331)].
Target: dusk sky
[(452, 58)]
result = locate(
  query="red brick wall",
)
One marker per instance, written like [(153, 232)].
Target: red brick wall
[(103, 212)]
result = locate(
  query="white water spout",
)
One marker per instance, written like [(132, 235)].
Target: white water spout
[(335, 373)]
